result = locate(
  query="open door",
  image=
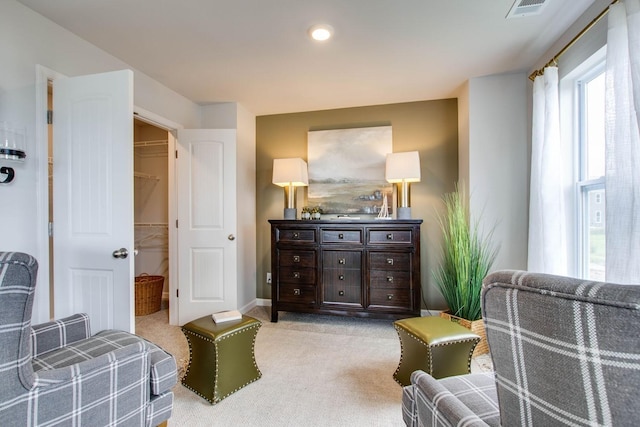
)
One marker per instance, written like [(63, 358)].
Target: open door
[(93, 203), (206, 200)]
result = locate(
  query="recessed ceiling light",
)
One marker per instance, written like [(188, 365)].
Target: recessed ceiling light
[(321, 32)]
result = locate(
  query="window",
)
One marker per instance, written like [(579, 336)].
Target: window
[(590, 188)]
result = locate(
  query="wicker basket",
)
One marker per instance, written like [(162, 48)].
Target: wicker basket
[(476, 326), (148, 294)]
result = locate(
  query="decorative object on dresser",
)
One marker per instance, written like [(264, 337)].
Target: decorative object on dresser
[(290, 174), (346, 267), (403, 169)]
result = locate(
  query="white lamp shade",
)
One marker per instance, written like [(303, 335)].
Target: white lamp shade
[(290, 172), (403, 167)]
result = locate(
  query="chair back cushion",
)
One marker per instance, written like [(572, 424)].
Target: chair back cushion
[(565, 351), (17, 286)]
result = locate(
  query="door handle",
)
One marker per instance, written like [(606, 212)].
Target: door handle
[(231, 237), (121, 253)]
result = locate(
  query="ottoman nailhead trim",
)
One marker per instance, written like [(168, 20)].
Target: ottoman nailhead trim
[(420, 341), (215, 344)]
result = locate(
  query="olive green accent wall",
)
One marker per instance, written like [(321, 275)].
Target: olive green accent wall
[(430, 127)]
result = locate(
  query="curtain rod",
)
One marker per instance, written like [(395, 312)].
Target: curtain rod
[(554, 60)]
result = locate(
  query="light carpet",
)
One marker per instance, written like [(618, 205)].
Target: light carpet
[(316, 371)]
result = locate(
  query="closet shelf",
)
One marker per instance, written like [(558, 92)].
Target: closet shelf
[(145, 176), (152, 143)]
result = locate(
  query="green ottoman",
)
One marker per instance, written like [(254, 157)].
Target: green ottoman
[(221, 358), (435, 345)]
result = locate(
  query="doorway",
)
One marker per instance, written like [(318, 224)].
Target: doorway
[(151, 207)]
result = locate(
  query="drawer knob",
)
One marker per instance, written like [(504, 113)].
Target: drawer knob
[(296, 235), (296, 291), (390, 236), (390, 261), (389, 297), (342, 261), (389, 279), (340, 236), (341, 277), (296, 258), (341, 293), (296, 274)]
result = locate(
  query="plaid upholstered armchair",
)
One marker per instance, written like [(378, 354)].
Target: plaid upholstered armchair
[(56, 374), (565, 352)]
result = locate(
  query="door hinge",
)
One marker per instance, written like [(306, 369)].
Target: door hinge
[(49, 117), (176, 223), (177, 293), (176, 154), (50, 229)]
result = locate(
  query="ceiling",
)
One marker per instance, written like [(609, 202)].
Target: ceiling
[(257, 52)]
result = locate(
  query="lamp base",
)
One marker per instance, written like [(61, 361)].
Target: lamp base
[(403, 213), (290, 213)]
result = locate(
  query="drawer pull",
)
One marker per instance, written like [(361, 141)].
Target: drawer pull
[(340, 236), (342, 261), (389, 279), (296, 258), (341, 293), (296, 235), (390, 261), (390, 236), (389, 297), (296, 291), (296, 274), (341, 277)]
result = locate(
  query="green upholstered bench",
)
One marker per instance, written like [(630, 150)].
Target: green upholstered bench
[(434, 345), (221, 356)]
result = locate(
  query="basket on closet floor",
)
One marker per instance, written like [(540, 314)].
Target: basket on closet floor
[(148, 294)]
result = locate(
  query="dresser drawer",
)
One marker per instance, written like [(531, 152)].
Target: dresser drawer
[(296, 258), (297, 275), (390, 236), (343, 293), (296, 235), (389, 279), (390, 261), (297, 294), (340, 277), (341, 259), (341, 236), (397, 298)]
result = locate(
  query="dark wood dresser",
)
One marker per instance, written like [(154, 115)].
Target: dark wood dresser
[(347, 267)]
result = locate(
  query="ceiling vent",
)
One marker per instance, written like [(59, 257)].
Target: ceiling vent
[(522, 8)]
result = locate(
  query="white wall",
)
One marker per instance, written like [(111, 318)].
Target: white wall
[(494, 154), (26, 40)]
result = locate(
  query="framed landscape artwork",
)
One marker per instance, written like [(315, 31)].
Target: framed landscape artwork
[(346, 170)]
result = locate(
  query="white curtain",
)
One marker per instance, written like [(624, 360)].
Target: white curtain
[(622, 186), (547, 239)]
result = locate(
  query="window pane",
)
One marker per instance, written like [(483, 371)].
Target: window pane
[(594, 128), (595, 234)]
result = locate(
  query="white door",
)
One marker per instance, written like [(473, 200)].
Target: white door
[(93, 199), (206, 200)]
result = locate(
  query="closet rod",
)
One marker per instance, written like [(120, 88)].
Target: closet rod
[(554, 60), (151, 224)]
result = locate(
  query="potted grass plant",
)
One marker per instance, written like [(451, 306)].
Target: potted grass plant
[(467, 256)]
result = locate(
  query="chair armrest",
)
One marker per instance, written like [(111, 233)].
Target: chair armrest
[(434, 405), (129, 362), (56, 334)]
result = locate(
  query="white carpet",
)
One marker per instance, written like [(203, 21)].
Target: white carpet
[(316, 371)]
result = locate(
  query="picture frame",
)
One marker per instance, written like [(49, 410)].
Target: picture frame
[(347, 170)]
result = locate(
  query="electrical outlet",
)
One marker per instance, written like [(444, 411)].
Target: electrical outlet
[(268, 278)]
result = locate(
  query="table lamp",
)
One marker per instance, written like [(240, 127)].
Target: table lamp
[(403, 169), (290, 174)]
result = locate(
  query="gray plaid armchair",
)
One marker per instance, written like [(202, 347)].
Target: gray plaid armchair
[(565, 352), (56, 374)]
